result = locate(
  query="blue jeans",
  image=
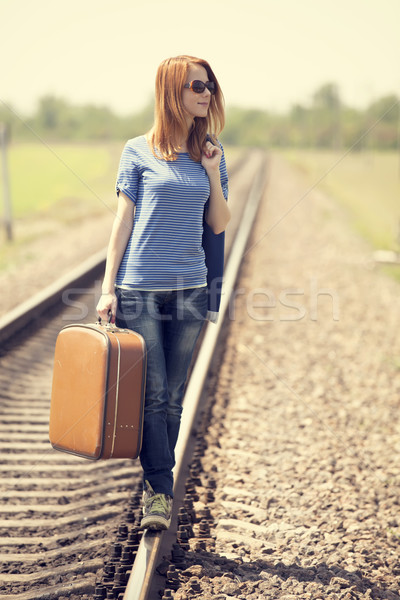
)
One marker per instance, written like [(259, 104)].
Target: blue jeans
[(170, 323)]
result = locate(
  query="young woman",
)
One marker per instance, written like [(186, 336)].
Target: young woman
[(172, 190)]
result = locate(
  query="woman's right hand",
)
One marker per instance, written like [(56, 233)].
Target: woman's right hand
[(106, 306)]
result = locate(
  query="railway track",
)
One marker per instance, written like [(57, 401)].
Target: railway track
[(68, 526)]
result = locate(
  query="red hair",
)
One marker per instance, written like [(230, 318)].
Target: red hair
[(170, 126)]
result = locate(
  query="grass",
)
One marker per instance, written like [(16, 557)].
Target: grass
[(59, 177), (58, 183), (69, 181), (53, 186), (367, 185), (61, 180)]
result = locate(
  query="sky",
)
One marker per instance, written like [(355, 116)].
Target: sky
[(268, 54)]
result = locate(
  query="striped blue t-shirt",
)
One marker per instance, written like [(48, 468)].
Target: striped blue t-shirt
[(164, 251)]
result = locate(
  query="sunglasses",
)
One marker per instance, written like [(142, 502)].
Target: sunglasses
[(198, 86)]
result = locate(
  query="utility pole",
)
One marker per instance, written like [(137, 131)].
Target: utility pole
[(398, 141), (4, 136)]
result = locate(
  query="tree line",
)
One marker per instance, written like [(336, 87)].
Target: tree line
[(326, 122)]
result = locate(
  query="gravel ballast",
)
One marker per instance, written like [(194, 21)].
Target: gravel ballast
[(303, 442)]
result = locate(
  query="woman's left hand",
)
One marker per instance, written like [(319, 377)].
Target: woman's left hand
[(211, 157)]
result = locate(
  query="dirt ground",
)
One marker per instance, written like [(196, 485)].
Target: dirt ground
[(46, 249)]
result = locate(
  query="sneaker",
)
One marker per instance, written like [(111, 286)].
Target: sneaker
[(157, 509)]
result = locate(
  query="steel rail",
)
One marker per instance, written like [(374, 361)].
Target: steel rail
[(15, 320), (139, 582)]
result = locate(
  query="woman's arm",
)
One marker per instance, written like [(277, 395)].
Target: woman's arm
[(120, 233), (218, 213)]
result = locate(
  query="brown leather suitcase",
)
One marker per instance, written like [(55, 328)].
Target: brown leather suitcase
[(97, 398)]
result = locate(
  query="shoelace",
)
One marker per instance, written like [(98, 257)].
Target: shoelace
[(158, 503)]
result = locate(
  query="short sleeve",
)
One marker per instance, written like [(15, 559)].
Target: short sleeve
[(128, 173), (224, 174)]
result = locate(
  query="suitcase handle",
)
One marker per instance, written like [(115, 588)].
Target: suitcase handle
[(111, 326), (109, 318)]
